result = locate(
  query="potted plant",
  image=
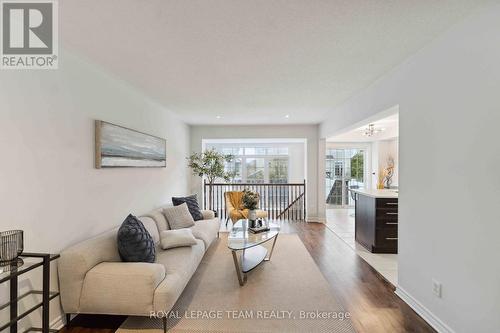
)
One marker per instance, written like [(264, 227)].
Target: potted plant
[(250, 201), (210, 165)]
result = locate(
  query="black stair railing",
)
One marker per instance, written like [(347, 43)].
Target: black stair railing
[(281, 201)]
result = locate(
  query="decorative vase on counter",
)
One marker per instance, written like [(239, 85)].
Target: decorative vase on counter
[(11, 246)]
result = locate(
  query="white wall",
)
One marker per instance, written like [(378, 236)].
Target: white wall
[(49, 187), (309, 132), (448, 96)]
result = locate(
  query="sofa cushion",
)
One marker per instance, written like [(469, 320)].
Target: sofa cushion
[(178, 216), (161, 221), (180, 264), (192, 203), (135, 244), (121, 288), (208, 214), (151, 227), (206, 230), (177, 238)]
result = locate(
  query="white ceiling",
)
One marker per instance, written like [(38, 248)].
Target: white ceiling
[(253, 62), (389, 126)]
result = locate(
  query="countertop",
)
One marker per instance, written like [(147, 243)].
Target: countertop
[(376, 193)]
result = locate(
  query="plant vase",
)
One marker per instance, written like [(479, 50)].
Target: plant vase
[(252, 215)]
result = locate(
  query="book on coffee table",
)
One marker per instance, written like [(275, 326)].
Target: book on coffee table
[(259, 229)]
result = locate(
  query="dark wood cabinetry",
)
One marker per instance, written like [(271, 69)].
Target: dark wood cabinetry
[(377, 223)]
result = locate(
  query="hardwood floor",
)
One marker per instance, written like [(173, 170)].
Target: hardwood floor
[(362, 291)]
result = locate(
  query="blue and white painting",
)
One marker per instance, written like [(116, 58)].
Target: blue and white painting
[(120, 147)]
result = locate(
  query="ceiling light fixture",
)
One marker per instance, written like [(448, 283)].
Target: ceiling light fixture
[(218, 117), (287, 116), (371, 130)]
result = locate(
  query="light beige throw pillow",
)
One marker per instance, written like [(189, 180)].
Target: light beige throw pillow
[(176, 238), (178, 217)]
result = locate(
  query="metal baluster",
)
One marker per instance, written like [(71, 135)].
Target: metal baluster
[(288, 202), (295, 204), (305, 203), (219, 194), (271, 189), (282, 199), (276, 198), (263, 198), (204, 194), (300, 202), (225, 208), (215, 199), (267, 200)]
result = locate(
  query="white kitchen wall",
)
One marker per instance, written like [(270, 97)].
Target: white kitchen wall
[(308, 132), (48, 184), (449, 184)]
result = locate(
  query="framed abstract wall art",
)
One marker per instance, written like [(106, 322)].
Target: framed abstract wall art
[(121, 147)]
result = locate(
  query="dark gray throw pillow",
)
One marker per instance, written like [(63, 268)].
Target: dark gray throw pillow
[(192, 203), (135, 244)]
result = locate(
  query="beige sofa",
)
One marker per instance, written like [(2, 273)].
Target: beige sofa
[(93, 279)]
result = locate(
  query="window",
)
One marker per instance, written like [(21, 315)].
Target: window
[(278, 170), (345, 168), (235, 167), (257, 164), (339, 169), (255, 170)]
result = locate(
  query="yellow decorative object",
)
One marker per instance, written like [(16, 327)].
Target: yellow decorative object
[(234, 206), (381, 178)]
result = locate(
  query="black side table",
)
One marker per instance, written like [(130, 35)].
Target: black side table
[(26, 263)]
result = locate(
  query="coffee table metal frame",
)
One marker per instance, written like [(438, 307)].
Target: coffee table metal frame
[(253, 255)]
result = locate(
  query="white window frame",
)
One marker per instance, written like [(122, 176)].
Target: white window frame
[(267, 159), (260, 143)]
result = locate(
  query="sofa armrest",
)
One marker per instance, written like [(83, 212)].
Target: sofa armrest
[(208, 214), (77, 260), (121, 287)]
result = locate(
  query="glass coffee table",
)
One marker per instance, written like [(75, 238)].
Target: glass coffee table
[(252, 253)]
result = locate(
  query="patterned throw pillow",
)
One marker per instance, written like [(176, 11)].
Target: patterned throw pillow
[(192, 203), (135, 244), (178, 217)]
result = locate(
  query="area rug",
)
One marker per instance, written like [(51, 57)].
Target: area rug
[(286, 294)]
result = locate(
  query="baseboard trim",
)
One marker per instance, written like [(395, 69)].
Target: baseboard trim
[(423, 312), (58, 322)]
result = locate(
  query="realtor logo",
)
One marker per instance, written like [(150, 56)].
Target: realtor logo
[(29, 34)]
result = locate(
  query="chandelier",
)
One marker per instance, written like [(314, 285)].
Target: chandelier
[(371, 130)]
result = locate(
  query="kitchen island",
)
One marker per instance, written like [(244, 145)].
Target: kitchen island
[(376, 220)]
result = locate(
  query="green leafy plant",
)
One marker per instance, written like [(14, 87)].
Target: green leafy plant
[(357, 167), (250, 199), (210, 165)]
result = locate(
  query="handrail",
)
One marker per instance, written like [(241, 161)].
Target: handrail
[(291, 205)]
